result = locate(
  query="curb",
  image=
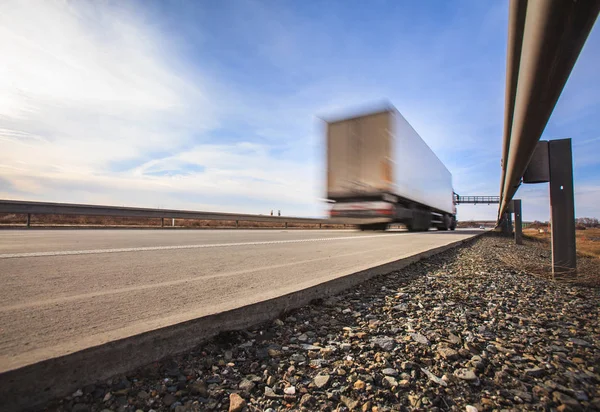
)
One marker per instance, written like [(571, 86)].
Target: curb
[(33, 385)]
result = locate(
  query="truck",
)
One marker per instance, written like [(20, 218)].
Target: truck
[(380, 171)]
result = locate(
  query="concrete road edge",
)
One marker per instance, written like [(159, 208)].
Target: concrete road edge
[(33, 385)]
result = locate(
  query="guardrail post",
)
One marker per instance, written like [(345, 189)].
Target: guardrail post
[(28, 219), (562, 206), (286, 225), (162, 222), (237, 224), (319, 226), (518, 222)]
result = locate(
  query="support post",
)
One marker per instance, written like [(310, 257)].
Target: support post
[(506, 223), (562, 207), (237, 224), (173, 222), (518, 222), (286, 225), (28, 219), (319, 226), (162, 222)]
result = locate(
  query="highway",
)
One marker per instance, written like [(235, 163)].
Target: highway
[(66, 290)]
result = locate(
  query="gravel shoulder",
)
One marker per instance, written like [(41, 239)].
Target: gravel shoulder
[(469, 329)]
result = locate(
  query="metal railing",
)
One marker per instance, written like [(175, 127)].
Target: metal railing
[(545, 38), (46, 208)]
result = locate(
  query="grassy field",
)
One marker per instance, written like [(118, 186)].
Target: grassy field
[(588, 241)]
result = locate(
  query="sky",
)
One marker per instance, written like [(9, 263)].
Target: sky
[(215, 106)]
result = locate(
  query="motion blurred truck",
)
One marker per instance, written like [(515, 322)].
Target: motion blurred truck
[(380, 171)]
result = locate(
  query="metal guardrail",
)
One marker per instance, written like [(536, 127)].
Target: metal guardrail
[(544, 40), (46, 208)]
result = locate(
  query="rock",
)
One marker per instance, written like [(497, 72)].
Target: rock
[(321, 381), (303, 337), (236, 403), (270, 393), (465, 374), (274, 353), (448, 353), (143, 395), (404, 383), (470, 408), (278, 322), (169, 399), (580, 342), (389, 382), (345, 347), (246, 385), (390, 372), (359, 385), (386, 343), (77, 393), (349, 402), (534, 372), (307, 400), (107, 397), (566, 402), (290, 390), (296, 357), (417, 337), (434, 378)]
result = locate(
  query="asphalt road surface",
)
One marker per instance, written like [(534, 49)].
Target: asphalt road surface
[(65, 290)]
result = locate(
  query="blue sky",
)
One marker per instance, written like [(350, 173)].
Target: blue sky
[(215, 105)]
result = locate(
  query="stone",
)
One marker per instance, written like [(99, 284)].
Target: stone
[(390, 372), (77, 393), (169, 399), (270, 393), (465, 374), (470, 408), (580, 342), (389, 382), (359, 385), (143, 395), (345, 347), (404, 383), (349, 402), (417, 337), (534, 372), (290, 390), (236, 403), (434, 378), (386, 343), (448, 353), (321, 381), (246, 385), (566, 402), (307, 400)]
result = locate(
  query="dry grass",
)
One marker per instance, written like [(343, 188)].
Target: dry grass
[(588, 241), (14, 220)]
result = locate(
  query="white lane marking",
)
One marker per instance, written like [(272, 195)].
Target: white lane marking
[(149, 248)]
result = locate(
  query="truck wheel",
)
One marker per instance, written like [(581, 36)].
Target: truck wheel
[(453, 225), (446, 223)]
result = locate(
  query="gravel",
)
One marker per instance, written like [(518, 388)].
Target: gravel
[(465, 330)]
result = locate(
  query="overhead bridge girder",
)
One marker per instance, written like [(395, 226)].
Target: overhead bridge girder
[(476, 200)]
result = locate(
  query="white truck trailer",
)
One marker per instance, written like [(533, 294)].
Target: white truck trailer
[(380, 171)]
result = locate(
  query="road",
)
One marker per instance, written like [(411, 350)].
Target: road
[(66, 290)]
